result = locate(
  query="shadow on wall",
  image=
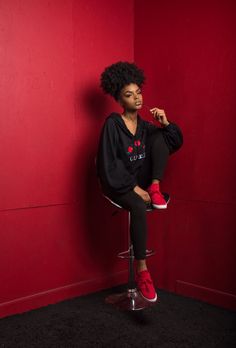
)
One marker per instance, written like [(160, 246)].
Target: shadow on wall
[(103, 232), (94, 103)]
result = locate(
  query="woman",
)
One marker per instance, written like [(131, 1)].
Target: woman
[(131, 159)]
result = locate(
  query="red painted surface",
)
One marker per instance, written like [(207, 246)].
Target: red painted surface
[(187, 49), (58, 237)]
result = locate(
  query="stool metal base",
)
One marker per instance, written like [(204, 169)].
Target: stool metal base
[(130, 300)]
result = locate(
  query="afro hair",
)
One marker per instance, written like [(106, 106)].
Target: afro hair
[(118, 75)]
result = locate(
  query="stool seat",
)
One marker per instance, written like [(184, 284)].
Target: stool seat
[(148, 208)]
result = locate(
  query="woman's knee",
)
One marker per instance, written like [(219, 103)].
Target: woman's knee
[(138, 206)]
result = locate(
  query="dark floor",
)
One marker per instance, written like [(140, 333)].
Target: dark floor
[(88, 322)]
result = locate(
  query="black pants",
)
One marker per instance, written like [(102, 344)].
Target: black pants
[(153, 167)]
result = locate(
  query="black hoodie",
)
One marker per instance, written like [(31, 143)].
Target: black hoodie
[(121, 154)]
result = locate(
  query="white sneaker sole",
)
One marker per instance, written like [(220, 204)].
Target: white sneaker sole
[(159, 206), (163, 206), (147, 299)]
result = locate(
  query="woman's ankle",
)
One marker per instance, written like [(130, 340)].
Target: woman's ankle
[(155, 181), (141, 265)]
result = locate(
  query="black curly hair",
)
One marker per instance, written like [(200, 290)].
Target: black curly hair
[(118, 75)]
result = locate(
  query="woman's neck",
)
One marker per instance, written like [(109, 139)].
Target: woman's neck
[(130, 115)]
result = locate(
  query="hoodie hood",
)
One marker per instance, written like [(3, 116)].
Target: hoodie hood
[(120, 122)]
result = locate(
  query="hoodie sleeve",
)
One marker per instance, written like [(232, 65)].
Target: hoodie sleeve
[(173, 137), (111, 170), (171, 134)]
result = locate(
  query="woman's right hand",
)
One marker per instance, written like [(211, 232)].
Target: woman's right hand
[(143, 194)]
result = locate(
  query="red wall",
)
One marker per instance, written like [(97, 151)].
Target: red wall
[(187, 49), (58, 236), (51, 211)]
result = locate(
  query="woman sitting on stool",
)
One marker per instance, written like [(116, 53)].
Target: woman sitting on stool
[(132, 157)]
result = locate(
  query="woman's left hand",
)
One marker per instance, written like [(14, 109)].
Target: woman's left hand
[(160, 116)]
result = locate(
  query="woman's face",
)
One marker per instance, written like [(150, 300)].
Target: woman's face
[(131, 97)]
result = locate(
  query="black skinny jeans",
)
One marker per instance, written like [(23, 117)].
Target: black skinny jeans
[(153, 167)]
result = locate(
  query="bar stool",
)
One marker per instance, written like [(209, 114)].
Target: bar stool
[(131, 299)]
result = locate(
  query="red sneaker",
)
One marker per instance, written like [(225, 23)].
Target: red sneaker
[(158, 200), (145, 286)]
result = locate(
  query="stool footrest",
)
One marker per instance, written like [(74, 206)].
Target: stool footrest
[(127, 255)]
